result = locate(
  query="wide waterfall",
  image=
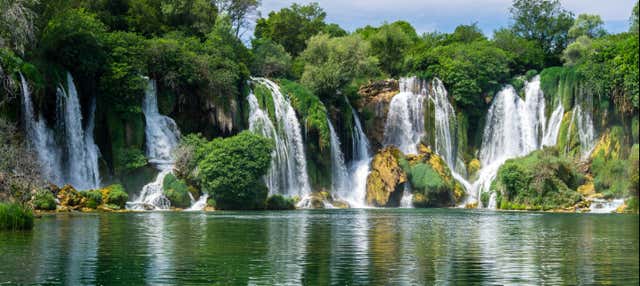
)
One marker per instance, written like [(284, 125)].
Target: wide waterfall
[(514, 127), (339, 176), (405, 121), (41, 139), (162, 136), (74, 158), (288, 172)]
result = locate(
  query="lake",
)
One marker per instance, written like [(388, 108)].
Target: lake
[(322, 247)]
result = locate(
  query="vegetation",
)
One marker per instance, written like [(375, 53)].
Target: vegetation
[(93, 198), (278, 202), (115, 195), (15, 217), (176, 191), (44, 200)]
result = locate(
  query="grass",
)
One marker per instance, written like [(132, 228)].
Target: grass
[(15, 217)]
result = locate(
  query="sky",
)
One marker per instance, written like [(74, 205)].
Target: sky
[(445, 15)]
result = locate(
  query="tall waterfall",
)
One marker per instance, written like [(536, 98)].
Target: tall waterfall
[(75, 160), (405, 121), (514, 127), (359, 166), (583, 121), (339, 176), (41, 139), (553, 127), (288, 172), (162, 136)]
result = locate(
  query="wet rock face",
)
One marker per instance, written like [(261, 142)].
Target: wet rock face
[(386, 180), (374, 105)]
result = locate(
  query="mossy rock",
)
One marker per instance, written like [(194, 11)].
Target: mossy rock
[(44, 200), (386, 180), (176, 191), (114, 195), (69, 197), (93, 198), (473, 167), (279, 202)]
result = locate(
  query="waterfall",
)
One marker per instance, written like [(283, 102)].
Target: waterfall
[(162, 136), (553, 127), (405, 120), (41, 139), (200, 204), (514, 127), (407, 197), (288, 172), (75, 161), (339, 176), (359, 166), (161, 132), (583, 122)]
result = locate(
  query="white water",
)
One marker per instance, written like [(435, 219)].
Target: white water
[(553, 127), (359, 166), (161, 132), (339, 176), (404, 126), (41, 139), (152, 196), (605, 206), (514, 127), (200, 204), (407, 197), (583, 122), (288, 172)]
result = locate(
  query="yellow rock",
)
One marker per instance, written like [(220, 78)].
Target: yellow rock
[(385, 178)]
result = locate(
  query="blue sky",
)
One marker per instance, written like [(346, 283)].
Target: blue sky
[(445, 15)]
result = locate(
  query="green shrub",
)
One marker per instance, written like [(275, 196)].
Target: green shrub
[(15, 217), (278, 202), (115, 195), (94, 198), (44, 200), (428, 182), (176, 191)]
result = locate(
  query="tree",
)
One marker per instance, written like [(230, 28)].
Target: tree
[(467, 34), (17, 29), (525, 54), (587, 25), (292, 27), (332, 63), (545, 22), (270, 59), (634, 27), (232, 170), (238, 12), (389, 45)]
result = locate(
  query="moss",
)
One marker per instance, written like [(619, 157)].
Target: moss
[(44, 200), (278, 202), (114, 195), (69, 197), (176, 191), (93, 198), (265, 100), (310, 108), (612, 173), (15, 217), (473, 167)]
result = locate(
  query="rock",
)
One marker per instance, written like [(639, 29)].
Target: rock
[(472, 168), (431, 180), (70, 198), (386, 180), (376, 97)]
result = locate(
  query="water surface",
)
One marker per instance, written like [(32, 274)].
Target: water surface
[(321, 247)]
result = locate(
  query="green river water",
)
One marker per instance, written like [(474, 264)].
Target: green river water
[(324, 247)]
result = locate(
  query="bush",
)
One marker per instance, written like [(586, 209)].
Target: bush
[(15, 217), (93, 198), (278, 202), (44, 200), (232, 171), (176, 191), (115, 195)]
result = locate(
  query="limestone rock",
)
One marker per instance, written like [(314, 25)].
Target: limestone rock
[(376, 97), (386, 180)]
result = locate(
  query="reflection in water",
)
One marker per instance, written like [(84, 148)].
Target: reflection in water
[(336, 247)]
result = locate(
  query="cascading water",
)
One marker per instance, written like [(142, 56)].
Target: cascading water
[(81, 151), (514, 127), (553, 127), (405, 120), (359, 166), (339, 176), (162, 136), (583, 122), (41, 139), (288, 172)]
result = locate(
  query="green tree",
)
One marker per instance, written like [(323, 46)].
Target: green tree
[(232, 170), (545, 22), (17, 29), (389, 44), (587, 25), (269, 59), (238, 12), (332, 63), (525, 54), (467, 34), (634, 27), (292, 27), (577, 50)]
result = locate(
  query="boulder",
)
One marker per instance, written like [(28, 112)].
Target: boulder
[(386, 180), (70, 198), (376, 97)]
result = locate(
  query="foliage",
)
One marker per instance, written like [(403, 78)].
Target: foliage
[(270, 59), (389, 44), (44, 200), (291, 27), (310, 109), (15, 217), (152, 17), (278, 202), (19, 169), (115, 195), (634, 27), (232, 170), (17, 27), (190, 151), (426, 181), (577, 51), (237, 11), (541, 180), (545, 22), (587, 25), (330, 64), (524, 54), (614, 174), (176, 191), (93, 198)]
